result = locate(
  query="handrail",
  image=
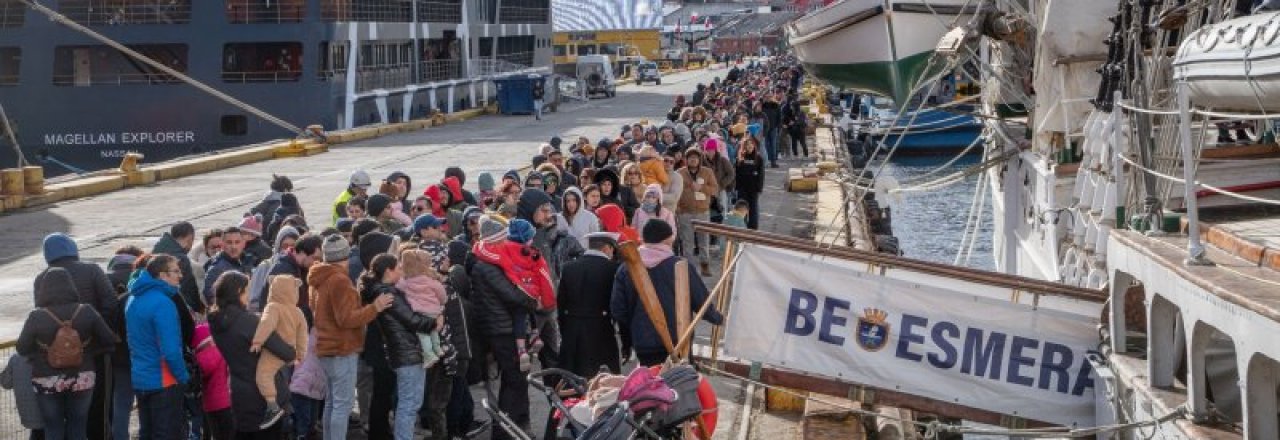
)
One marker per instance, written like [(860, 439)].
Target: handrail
[(960, 273)]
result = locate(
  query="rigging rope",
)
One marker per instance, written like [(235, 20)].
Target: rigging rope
[(1204, 185), (59, 18)]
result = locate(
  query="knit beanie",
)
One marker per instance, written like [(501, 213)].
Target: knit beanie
[(376, 204), (485, 181), (655, 231), (251, 224), (416, 262), (335, 249), (513, 175), (520, 231), (58, 245), (492, 229)]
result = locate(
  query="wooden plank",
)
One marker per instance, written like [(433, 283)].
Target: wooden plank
[(989, 278), (870, 394)]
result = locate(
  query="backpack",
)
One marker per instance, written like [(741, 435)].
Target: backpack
[(258, 285), (66, 350)]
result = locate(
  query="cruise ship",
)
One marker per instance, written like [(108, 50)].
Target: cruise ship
[(76, 105)]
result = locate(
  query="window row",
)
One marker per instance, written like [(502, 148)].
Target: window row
[(124, 12), (381, 64)]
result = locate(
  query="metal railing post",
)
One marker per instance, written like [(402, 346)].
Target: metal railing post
[(1195, 249)]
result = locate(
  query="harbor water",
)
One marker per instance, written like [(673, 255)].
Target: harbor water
[(929, 224)]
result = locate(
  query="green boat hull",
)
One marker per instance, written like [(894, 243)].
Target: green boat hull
[(885, 78)]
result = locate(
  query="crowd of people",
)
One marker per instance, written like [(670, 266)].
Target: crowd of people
[(386, 310)]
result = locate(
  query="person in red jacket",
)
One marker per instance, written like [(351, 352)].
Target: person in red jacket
[(217, 387), (524, 266)]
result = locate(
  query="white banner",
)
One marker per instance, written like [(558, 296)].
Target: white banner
[(827, 319)]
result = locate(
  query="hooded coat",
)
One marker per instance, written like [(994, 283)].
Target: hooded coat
[(621, 196), (612, 219), (406, 204), (56, 293), (579, 224), (661, 212), (457, 204), (631, 316), (91, 282), (288, 206), (282, 316), (233, 329), (556, 246), (154, 335)]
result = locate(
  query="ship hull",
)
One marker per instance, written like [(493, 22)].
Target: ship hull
[(873, 46)]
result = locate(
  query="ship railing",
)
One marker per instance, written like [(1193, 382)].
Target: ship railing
[(384, 77), (522, 14), (495, 67), (12, 13), (120, 12), (266, 11), (367, 10), (440, 11), (261, 76), (10, 425), (439, 70), (113, 79)]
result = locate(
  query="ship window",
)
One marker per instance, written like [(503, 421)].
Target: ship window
[(558, 50), (524, 11), (103, 65), (440, 11), (120, 12), (261, 62), (10, 58), (234, 125), (12, 13), (266, 11), (441, 58), (516, 50), (486, 47), (385, 65), (333, 61), (586, 49)]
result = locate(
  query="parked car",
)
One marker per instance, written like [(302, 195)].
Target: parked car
[(648, 71), (597, 72)]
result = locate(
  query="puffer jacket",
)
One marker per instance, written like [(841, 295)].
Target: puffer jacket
[(496, 300), (399, 326), (582, 223), (232, 329)]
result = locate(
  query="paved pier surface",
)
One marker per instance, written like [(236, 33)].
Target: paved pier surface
[(494, 144), (140, 215)]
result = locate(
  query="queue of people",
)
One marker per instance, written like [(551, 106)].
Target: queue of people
[(382, 313)]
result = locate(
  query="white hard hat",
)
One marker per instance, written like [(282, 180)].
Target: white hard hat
[(360, 178)]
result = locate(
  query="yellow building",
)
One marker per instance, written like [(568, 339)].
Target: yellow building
[(566, 46)]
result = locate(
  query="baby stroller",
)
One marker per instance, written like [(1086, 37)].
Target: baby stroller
[(643, 407)]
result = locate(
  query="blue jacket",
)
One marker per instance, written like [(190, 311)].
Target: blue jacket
[(629, 312), (155, 338)]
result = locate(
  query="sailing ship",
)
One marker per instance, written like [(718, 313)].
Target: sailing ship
[(77, 105), (1144, 120)]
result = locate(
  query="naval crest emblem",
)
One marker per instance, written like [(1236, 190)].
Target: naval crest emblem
[(873, 329)]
